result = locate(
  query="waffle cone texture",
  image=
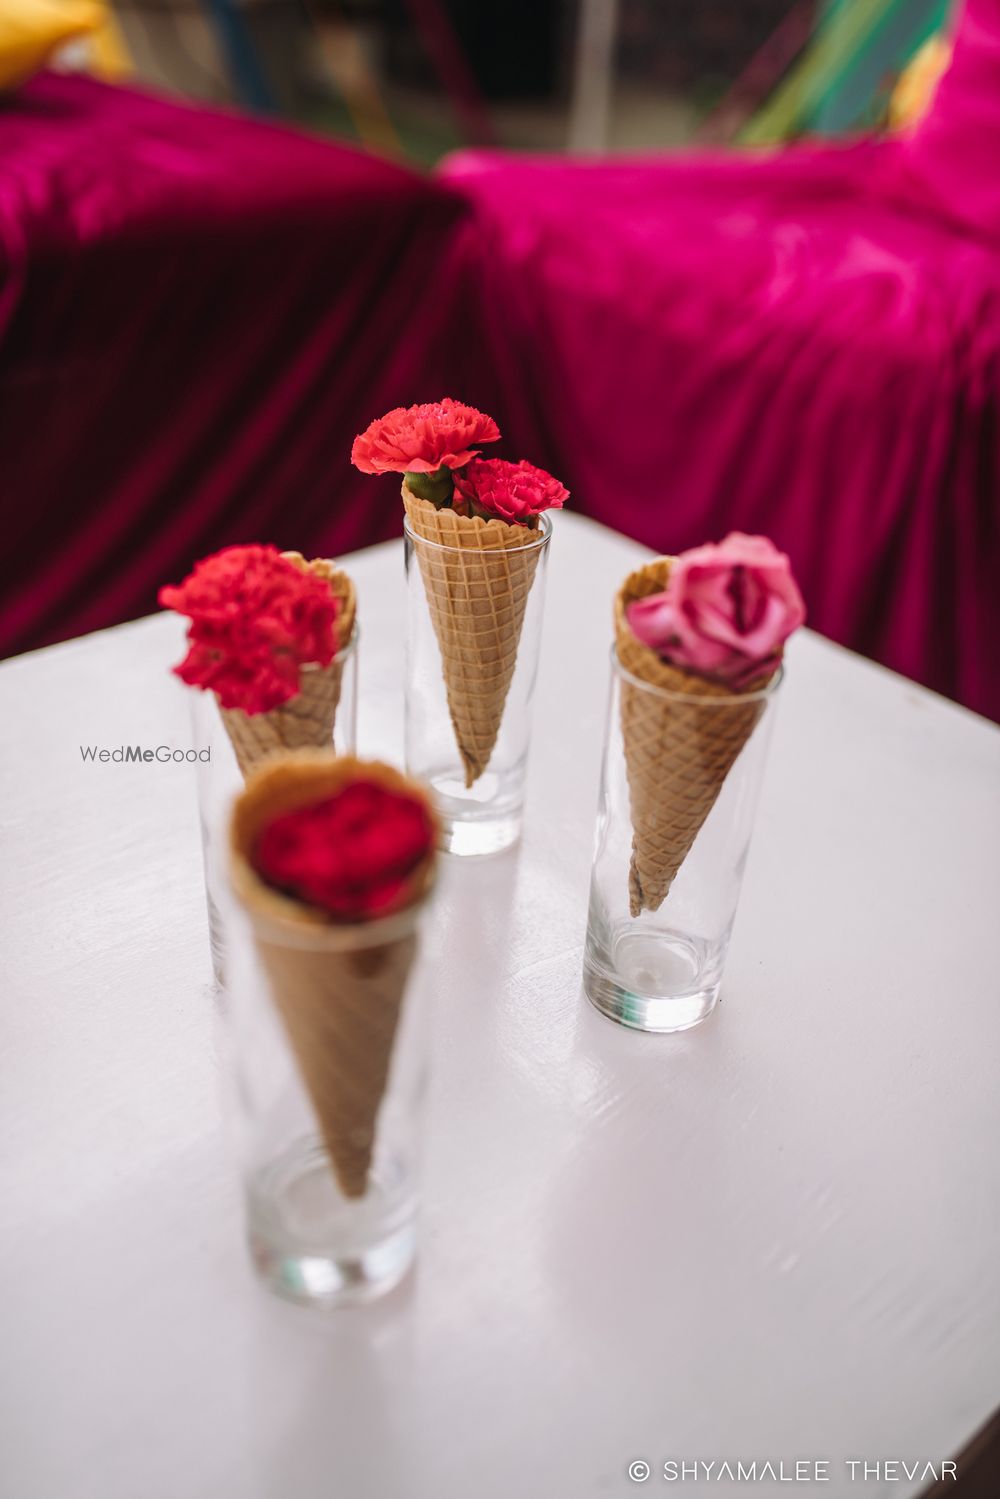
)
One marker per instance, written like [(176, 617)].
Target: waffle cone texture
[(308, 718), (678, 750), (339, 988), (477, 593)]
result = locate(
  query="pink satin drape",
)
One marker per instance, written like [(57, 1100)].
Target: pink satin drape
[(198, 312), (803, 343)]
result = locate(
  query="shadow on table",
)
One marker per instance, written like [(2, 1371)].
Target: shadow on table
[(338, 1381)]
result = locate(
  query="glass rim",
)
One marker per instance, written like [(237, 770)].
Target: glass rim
[(704, 700), (535, 545)]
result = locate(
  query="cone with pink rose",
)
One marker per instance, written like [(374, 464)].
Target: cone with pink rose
[(333, 859), (267, 635), (705, 631), (472, 522)]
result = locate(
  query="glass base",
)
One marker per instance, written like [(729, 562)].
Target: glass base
[(313, 1246), (478, 820), (653, 981), (479, 837)]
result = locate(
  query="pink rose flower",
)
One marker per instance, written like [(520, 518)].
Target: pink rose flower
[(514, 492), (726, 612), (422, 439)]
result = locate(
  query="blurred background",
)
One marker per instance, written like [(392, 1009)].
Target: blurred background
[(716, 264), (420, 77)]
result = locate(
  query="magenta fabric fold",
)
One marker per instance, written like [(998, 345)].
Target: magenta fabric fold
[(197, 314), (803, 343)]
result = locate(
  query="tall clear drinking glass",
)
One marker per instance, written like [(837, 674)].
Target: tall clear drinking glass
[(473, 634), (679, 792), (220, 779), (327, 1040)]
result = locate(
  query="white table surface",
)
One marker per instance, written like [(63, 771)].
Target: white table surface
[(776, 1236)]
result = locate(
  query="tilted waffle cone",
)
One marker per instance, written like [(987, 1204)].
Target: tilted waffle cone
[(477, 596), (338, 987), (308, 718), (678, 751)]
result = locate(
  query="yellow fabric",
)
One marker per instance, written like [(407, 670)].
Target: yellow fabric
[(108, 52), (31, 30), (914, 93)]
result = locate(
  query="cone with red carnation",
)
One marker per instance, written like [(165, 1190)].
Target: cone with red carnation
[(309, 717), (334, 860), (267, 636), (477, 575), (471, 523)]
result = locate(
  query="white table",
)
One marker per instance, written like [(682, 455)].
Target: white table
[(776, 1236)]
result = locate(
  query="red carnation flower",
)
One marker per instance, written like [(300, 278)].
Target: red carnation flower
[(422, 439), (256, 618), (350, 854), (515, 492)]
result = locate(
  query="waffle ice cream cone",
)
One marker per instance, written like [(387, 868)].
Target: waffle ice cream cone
[(678, 751), (339, 988), (477, 594), (308, 718)]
